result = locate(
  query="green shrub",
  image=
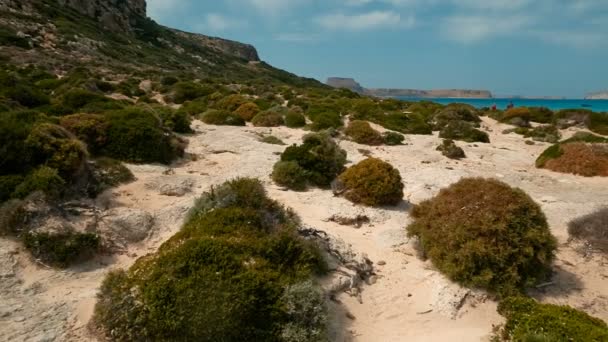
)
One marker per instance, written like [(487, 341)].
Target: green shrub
[(592, 229), (54, 146), (528, 320), (362, 132), (483, 233), (227, 276), (222, 117), (519, 116), (541, 115), (464, 131), (136, 136), (188, 91), (15, 127), (247, 111), (13, 217), (76, 99), (326, 120), (372, 182), (44, 179), (598, 123), (295, 120), (449, 149), (194, 108), (92, 129), (307, 313), (27, 96), (455, 112), (392, 138), (271, 139), (289, 174), (107, 173), (8, 184), (231, 103), (168, 81), (268, 119), (61, 249), (547, 133), (177, 120), (319, 156)]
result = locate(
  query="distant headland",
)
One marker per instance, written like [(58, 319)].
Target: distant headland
[(349, 83)]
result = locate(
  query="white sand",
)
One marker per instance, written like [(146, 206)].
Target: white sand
[(409, 302)]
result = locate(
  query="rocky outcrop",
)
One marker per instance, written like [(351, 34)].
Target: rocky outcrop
[(602, 95), (243, 51), (349, 83), (114, 15)]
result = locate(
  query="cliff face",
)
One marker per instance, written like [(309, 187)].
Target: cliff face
[(349, 83), (113, 15)]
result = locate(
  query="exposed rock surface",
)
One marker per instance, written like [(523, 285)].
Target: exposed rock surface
[(348, 83)]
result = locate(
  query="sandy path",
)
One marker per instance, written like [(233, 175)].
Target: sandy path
[(409, 301)]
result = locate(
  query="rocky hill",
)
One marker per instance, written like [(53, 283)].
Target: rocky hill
[(351, 84), (117, 35), (601, 95)]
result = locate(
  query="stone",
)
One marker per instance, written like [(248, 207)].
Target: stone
[(132, 225), (381, 263), (176, 186)]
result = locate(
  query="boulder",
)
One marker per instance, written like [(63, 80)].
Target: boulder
[(128, 224)]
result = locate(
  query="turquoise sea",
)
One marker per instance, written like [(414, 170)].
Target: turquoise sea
[(594, 105)]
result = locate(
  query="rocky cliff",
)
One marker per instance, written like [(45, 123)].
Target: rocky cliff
[(349, 83), (602, 95)]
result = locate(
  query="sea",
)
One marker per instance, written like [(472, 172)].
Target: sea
[(502, 103)]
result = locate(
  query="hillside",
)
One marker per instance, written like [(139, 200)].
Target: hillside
[(600, 95), (351, 84), (117, 36)]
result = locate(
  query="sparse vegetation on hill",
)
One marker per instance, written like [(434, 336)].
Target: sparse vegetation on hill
[(236, 270), (371, 182), (483, 233)]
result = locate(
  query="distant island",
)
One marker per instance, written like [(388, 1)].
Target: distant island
[(349, 83), (601, 95)]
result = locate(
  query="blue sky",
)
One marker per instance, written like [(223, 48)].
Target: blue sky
[(511, 47)]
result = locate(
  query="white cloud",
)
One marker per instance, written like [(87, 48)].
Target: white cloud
[(473, 29), (365, 21), (217, 22)]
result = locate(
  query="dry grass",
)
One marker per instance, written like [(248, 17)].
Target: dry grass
[(587, 160), (592, 229)]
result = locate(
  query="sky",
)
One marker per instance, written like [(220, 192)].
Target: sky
[(510, 47)]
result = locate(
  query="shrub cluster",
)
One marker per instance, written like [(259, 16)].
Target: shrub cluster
[(584, 154), (455, 112), (268, 118), (61, 249), (236, 271), (528, 320), (483, 233), (295, 120), (592, 229), (247, 111), (221, 117), (372, 182), (449, 149), (463, 131), (362, 132), (319, 160), (392, 138)]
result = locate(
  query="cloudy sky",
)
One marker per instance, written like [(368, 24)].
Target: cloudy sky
[(512, 47)]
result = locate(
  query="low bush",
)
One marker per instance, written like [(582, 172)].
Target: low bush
[(289, 174), (392, 138), (295, 120), (44, 179), (231, 103), (61, 249), (591, 229), (519, 116), (362, 132), (268, 118), (464, 131), (320, 156), (194, 108), (234, 272), (188, 91), (528, 320), (76, 99), (541, 115), (27, 96), (247, 111), (455, 112), (326, 120), (221, 117), (271, 139), (372, 182), (576, 157), (483, 233), (449, 149), (107, 173), (546, 133), (13, 217), (137, 136), (176, 120), (92, 129), (8, 184), (598, 123)]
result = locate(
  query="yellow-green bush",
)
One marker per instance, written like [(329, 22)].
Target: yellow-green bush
[(449, 149), (362, 132), (247, 111), (91, 129), (528, 320), (228, 275), (221, 117), (268, 118), (372, 182), (295, 119), (464, 131), (61, 249), (483, 233), (44, 179), (289, 174)]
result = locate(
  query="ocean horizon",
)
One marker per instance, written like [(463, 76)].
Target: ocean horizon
[(502, 103)]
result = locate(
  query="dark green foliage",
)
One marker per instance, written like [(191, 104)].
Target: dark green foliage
[(547, 133), (230, 102), (268, 118), (54, 146), (319, 156), (13, 216), (107, 173), (76, 99), (455, 112), (528, 320), (91, 129), (392, 138), (294, 120), (187, 91), (362, 132), (27, 96), (226, 276), (307, 313), (15, 127), (449, 149), (591, 229), (598, 123), (541, 115), (177, 120), (9, 37), (169, 80), (8, 184), (44, 179), (61, 249), (137, 136), (324, 117), (424, 108), (483, 233), (464, 131), (289, 174), (194, 108), (372, 182), (271, 139), (222, 117)]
